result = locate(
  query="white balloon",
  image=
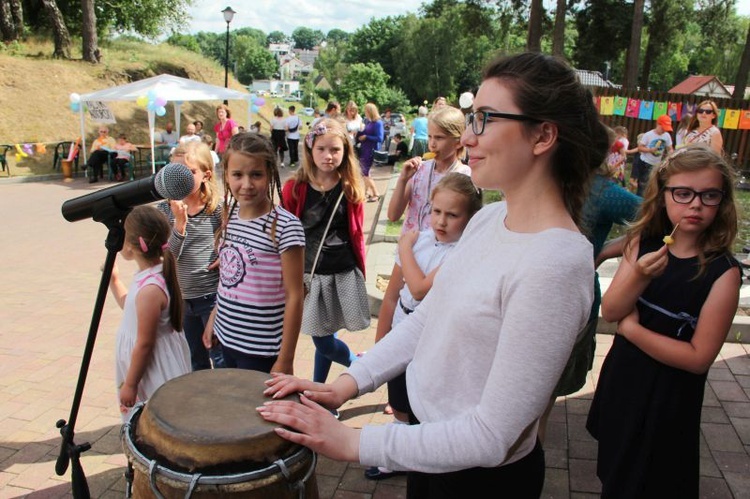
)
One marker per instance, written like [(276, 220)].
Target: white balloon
[(466, 100), (74, 97)]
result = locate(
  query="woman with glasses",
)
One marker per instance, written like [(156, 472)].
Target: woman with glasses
[(484, 350), (702, 128), (101, 149), (673, 297)]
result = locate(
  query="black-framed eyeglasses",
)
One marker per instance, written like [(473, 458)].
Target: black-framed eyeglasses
[(705, 111), (478, 119), (685, 195)]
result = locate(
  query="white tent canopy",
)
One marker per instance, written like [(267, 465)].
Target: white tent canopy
[(173, 88)]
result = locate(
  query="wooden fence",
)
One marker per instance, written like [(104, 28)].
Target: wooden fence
[(735, 141)]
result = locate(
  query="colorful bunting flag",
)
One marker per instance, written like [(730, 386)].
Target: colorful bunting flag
[(732, 119), (607, 106), (647, 110), (633, 108), (744, 119), (621, 103)]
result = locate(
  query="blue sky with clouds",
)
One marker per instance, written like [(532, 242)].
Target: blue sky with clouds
[(287, 15)]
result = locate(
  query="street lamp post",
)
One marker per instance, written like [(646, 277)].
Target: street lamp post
[(228, 16)]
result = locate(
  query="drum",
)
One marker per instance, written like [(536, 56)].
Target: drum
[(199, 435)]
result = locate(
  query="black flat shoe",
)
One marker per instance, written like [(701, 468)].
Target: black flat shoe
[(375, 473)]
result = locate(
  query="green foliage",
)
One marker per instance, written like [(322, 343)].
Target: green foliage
[(603, 33), (188, 42), (337, 36), (376, 42), (364, 83), (254, 61), (276, 37), (330, 63), (306, 38)]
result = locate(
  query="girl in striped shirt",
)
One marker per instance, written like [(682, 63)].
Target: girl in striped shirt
[(261, 258)]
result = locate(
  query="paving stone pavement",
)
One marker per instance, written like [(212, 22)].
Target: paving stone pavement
[(49, 275)]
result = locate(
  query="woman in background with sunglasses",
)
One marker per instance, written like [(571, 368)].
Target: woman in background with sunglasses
[(484, 350), (703, 129)]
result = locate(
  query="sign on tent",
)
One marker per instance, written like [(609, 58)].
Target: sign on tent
[(100, 112)]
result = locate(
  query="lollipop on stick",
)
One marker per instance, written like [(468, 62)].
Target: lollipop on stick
[(670, 239), (428, 155)]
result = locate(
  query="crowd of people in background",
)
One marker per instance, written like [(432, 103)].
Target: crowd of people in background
[(244, 273)]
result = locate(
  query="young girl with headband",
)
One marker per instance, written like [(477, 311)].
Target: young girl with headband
[(326, 195)]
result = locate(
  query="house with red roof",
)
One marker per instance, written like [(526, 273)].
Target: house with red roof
[(709, 86)]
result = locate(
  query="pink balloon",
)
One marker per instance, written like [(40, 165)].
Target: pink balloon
[(260, 101), (160, 101)]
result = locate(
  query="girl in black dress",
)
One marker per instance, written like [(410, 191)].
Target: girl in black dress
[(674, 297)]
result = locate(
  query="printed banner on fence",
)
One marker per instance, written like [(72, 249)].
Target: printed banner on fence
[(647, 110), (744, 120), (100, 112), (732, 119), (674, 110), (660, 108), (621, 103), (607, 106), (634, 106)]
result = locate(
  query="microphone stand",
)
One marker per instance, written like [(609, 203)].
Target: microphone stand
[(106, 212)]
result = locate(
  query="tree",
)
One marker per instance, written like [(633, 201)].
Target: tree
[(534, 35), (59, 29), (306, 38), (337, 36), (364, 83), (558, 36), (330, 63), (257, 35), (740, 83), (603, 32), (88, 32), (634, 49), (668, 19), (254, 61), (6, 22), (276, 37), (376, 41)]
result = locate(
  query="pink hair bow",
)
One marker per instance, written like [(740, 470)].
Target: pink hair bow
[(319, 129)]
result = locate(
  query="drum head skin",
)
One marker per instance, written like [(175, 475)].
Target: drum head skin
[(208, 418)]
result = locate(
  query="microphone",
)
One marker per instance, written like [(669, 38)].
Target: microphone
[(174, 181)]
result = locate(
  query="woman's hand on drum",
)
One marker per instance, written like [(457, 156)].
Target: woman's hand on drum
[(331, 396), (314, 427)]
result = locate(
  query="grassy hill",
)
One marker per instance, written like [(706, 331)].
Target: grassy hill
[(35, 94)]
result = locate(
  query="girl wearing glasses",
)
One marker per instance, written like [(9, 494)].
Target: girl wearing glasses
[(674, 305), (418, 178), (702, 127), (485, 348)]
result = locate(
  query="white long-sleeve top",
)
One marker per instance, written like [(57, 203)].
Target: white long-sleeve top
[(484, 349)]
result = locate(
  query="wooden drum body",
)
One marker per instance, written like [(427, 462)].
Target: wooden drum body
[(200, 436)]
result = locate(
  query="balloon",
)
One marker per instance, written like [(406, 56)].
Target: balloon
[(160, 101), (259, 101), (160, 111), (41, 148), (466, 100), (75, 106), (253, 96), (151, 106), (254, 108), (151, 94), (28, 149), (142, 101), (74, 97), (19, 152)]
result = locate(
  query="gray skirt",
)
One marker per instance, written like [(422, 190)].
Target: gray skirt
[(336, 301)]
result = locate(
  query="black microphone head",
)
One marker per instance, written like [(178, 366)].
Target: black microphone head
[(174, 181)]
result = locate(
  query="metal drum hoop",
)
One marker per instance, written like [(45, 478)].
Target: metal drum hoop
[(279, 466)]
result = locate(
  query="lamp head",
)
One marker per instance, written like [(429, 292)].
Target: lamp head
[(228, 14)]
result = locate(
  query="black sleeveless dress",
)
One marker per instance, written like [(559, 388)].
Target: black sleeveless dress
[(645, 414)]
